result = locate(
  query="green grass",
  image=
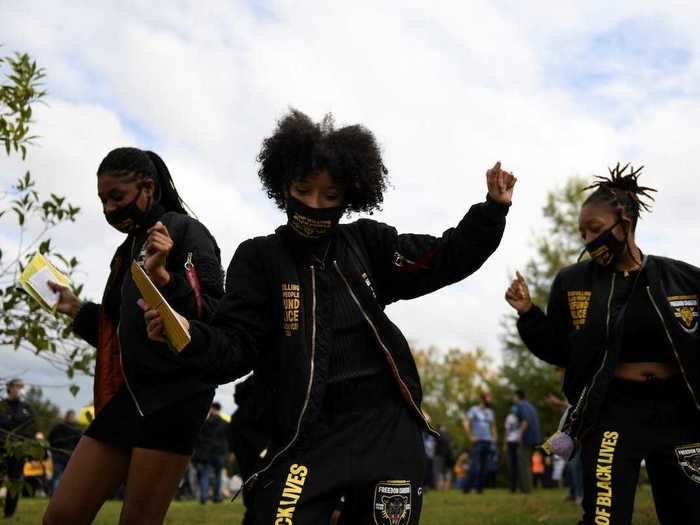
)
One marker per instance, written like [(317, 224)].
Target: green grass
[(494, 507)]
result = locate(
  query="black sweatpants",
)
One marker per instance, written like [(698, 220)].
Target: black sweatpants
[(367, 447), (655, 422)]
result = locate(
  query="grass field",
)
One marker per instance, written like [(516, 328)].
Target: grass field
[(494, 507)]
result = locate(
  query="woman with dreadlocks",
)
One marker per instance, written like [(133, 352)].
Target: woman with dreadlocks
[(624, 325), (304, 308), (149, 405)]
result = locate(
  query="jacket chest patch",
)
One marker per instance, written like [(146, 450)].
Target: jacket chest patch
[(685, 309), (578, 306), (291, 302)]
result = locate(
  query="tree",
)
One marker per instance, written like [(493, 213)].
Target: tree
[(46, 413), (452, 382), (23, 323), (558, 245)]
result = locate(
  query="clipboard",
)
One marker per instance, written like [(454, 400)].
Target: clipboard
[(175, 332), (35, 278)]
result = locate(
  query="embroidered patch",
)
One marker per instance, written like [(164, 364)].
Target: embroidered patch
[(392, 503), (400, 261), (291, 301), (688, 458), (578, 305), (685, 309)]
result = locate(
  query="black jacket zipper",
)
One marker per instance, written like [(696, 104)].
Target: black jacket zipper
[(605, 355), (385, 349), (284, 449)]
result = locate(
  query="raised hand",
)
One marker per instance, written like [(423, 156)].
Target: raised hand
[(68, 302), (157, 246), (518, 294), (500, 184)]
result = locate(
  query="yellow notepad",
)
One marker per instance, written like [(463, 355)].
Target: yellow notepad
[(175, 332), (35, 278)]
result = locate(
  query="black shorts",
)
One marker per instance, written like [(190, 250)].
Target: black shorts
[(173, 428)]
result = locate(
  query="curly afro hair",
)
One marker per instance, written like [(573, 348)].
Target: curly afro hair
[(299, 147)]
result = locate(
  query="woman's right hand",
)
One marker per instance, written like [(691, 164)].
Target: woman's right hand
[(154, 322), (518, 294), (68, 303)]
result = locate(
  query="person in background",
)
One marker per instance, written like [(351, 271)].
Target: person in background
[(573, 472), (480, 427), (16, 424), (444, 460), (461, 470), (210, 453), (63, 438), (530, 437), (247, 436), (430, 444), (511, 446), (537, 462)]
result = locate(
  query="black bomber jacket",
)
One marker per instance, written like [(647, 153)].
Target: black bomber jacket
[(275, 317), (154, 375), (579, 334)]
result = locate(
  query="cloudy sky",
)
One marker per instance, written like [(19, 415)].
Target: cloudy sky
[(552, 89)]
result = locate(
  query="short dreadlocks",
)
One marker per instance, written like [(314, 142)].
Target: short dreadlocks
[(622, 192)]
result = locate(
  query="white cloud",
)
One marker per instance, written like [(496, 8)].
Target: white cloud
[(447, 90)]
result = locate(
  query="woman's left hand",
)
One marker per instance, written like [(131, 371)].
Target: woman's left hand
[(500, 184), (158, 245)]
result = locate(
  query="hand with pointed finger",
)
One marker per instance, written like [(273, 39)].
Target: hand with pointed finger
[(68, 302), (518, 294), (500, 184), (157, 246)]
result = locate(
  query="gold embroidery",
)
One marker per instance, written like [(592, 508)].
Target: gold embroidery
[(291, 301), (578, 305)]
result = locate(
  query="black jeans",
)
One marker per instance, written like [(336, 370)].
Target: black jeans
[(513, 465), (13, 468), (478, 466), (366, 446), (655, 422)]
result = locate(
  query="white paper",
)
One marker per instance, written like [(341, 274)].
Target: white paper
[(39, 282)]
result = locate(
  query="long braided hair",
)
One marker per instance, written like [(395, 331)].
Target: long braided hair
[(621, 190), (132, 163)]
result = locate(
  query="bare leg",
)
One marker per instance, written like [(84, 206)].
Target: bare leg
[(93, 474), (151, 485)]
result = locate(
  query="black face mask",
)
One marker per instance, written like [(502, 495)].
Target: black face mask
[(311, 223), (127, 218), (606, 248)]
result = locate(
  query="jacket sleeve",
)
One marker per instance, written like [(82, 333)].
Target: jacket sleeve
[(546, 334), (228, 347), (406, 266), (207, 263), (86, 322)]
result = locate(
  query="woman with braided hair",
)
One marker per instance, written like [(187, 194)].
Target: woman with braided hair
[(624, 325), (149, 405)]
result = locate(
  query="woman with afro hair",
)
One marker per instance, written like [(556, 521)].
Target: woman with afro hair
[(304, 309), (624, 325)]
